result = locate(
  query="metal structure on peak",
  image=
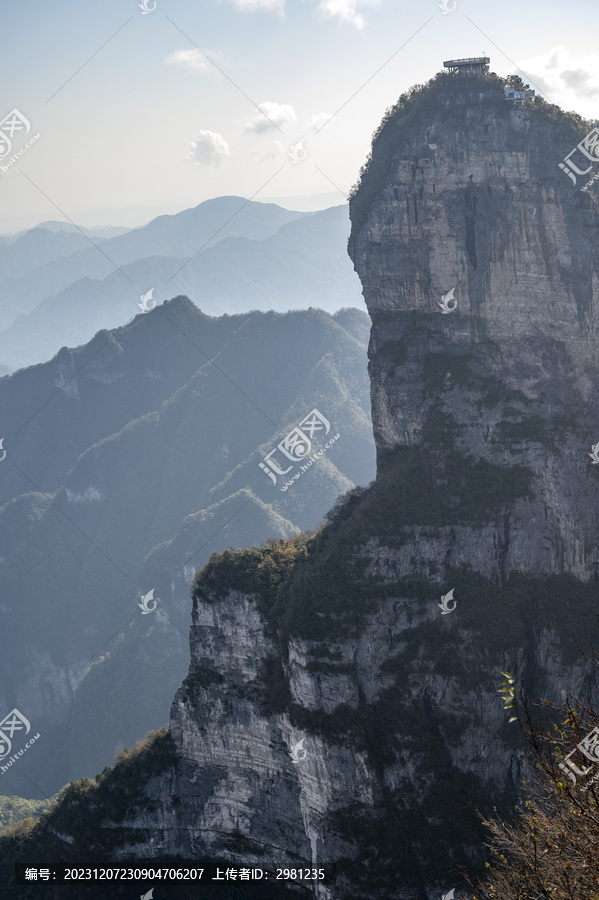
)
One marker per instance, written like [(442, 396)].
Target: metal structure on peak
[(479, 65), (474, 65)]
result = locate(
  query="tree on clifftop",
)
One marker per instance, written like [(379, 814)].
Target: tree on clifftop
[(551, 851), (517, 83)]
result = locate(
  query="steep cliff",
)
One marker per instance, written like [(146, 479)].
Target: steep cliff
[(463, 193), (483, 419)]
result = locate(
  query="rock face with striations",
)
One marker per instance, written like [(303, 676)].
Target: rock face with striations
[(464, 193), (483, 419)]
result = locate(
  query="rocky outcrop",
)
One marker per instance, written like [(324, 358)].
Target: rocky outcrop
[(369, 752), (463, 194)]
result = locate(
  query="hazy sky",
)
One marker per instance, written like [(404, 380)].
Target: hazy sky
[(143, 114)]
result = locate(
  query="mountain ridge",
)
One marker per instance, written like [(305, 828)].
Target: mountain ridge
[(303, 262), (176, 232), (113, 450)]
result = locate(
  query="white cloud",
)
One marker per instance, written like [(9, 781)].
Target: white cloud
[(274, 149), (208, 149), (571, 83), (276, 6), (87, 496), (191, 60), (280, 114), (317, 120), (344, 10)]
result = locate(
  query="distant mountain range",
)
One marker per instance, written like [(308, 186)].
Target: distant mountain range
[(98, 231), (227, 254), (131, 459), (35, 249)]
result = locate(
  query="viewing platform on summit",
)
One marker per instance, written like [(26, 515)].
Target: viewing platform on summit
[(474, 65)]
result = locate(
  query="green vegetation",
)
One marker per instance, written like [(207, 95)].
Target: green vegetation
[(314, 586), (517, 83), (256, 570), (81, 807), (81, 811), (14, 809)]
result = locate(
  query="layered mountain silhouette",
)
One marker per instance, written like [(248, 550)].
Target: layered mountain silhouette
[(228, 254), (130, 460), (181, 234), (35, 249), (55, 227)]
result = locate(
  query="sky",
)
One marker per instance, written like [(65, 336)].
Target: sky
[(147, 107)]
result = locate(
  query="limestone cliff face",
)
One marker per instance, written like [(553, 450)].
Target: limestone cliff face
[(404, 738), (483, 419), (463, 192)]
